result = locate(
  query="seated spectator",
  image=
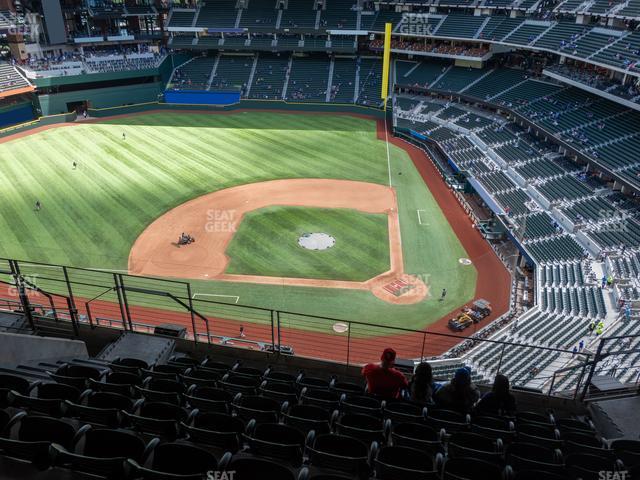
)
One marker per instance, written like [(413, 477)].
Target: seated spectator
[(383, 380), (422, 386), (499, 400), (460, 394)]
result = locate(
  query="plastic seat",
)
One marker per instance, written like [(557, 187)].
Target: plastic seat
[(183, 361), (76, 375), (10, 382), (99, 408), (529, 456), (277, 441), (361, 404), (313, 383), (162, 390), (34, 437), (171, 461), (403, 463), (240, 384), (117, 382), (157, 418), (260, 409), (249, 372), (534, 418), (208, 399), (201, 377), (274, 376), (128, 365), (320, 398), (251, 468), (48, 399), (363, 427), (307, 417), (494, 427), (472, 445), (404, 412), (544, 435), (215, 429), (449, 420), (539, 474), (281, 392), (168, 372), (417, 435), (103, 453), (341, 453), (573, 425), (577, 442), (628, 451), (588, 467), (470, 469), (347, 388), (220, 367)]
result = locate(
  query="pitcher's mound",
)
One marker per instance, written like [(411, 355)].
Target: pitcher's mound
[(316, 241)]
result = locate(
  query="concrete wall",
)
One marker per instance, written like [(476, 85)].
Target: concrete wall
[(17, 348)]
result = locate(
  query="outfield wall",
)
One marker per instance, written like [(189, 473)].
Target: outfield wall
[(15, 114), (243, 104), (40, 122), (56, 103)]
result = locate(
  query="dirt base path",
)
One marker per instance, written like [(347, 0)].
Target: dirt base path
[(213, 220)]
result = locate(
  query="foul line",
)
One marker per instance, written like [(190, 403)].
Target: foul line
[(420, 218), (215, 295), (386, 137)]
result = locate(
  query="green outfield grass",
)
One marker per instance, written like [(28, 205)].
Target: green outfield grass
[(91, 216), (266, 244)]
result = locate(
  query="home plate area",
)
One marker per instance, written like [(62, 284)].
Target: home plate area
[(398, 287)]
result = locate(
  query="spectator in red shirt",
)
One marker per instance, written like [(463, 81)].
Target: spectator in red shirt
[(383, 380)]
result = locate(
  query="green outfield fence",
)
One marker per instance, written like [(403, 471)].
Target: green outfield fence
[(91, 298)]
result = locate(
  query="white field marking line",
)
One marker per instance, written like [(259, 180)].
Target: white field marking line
[(420, 218), (386, 137), (215, 295)]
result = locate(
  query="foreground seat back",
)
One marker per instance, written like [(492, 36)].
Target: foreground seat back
[(177, 461), (104, 453)]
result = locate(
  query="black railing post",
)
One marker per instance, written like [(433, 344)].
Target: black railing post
[(582, 371), (74, 320), (273, 333), (348, 342), (118, 290), (501, 355), (87, 307), (126, 302), (424, 341), (22, 295), (73, 312), (553, 381), (278, 326), (193, 317), (596, 359)]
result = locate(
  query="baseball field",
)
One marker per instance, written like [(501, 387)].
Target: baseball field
[(117, 193)]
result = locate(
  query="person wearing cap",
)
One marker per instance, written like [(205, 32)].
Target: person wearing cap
[(384, 380), (460, 393)]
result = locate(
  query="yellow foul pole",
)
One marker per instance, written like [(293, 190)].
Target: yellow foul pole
[(386, 60)]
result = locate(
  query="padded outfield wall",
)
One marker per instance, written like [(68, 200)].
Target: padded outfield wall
[(56, 103)]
